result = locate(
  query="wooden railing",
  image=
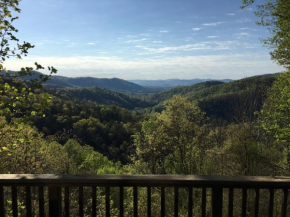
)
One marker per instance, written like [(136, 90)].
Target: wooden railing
[(53, 192)]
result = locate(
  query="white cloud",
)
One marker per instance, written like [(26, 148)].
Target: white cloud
[(212, 36), (189, 39), (132, 36), (225, 45), (243, 34), (91, 43), (244, 10), (204, 66), (136, 40), (212, 24), (164, 31), (243, 20), (231, 14), (145, 34), (196, 29)]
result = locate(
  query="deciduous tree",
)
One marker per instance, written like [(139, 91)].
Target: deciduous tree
[(18, 98), (275, 15)]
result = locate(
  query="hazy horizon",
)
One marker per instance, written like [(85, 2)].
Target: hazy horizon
[(149, 40)]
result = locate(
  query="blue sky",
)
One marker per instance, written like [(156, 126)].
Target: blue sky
[(144, 39)]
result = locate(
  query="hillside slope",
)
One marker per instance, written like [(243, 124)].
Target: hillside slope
[(233, 101), (114, 84), (100, 96), (170, 83)]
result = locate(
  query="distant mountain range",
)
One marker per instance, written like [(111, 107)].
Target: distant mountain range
[(216, 98), (133, 87), (114, 84), (169, 83)]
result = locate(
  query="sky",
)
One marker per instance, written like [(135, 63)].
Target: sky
[(144, 39)]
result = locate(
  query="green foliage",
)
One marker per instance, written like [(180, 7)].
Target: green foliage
[(108, 129), (235, 101), (7, 37), (172, 141), (275, 15), (100, 96), (248, 151), (18, 97), (274, 116), (33, 154), (180, 141)]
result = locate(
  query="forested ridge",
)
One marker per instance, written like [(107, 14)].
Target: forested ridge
[(170, 83), (101, 96), (113, 84), (109, 121)]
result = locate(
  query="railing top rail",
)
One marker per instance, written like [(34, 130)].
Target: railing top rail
[(145, 180)]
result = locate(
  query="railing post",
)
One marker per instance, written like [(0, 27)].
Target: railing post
[(2, 208), (54, 195), (284, 203), (217, 202), (28, 202), (14, 201), (148, 201), (41, 201)]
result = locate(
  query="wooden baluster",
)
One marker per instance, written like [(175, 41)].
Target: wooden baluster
[(107, 201), (148, 201), (244, 202), (66, 202), (2, 208), (14, 201), (203, 203), (121, 201), (257, 202), (81, 201), (28, 201), (162, 201), (231, 202), (41, 201), (271, 202), (217, 202), (135, 195), (284, 203), (176, 195), (54, 195), (190, 202), (94, 201)]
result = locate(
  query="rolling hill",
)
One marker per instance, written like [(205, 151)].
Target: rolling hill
[(114, 84), (170, 83), (232, 101), (100, 96)]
